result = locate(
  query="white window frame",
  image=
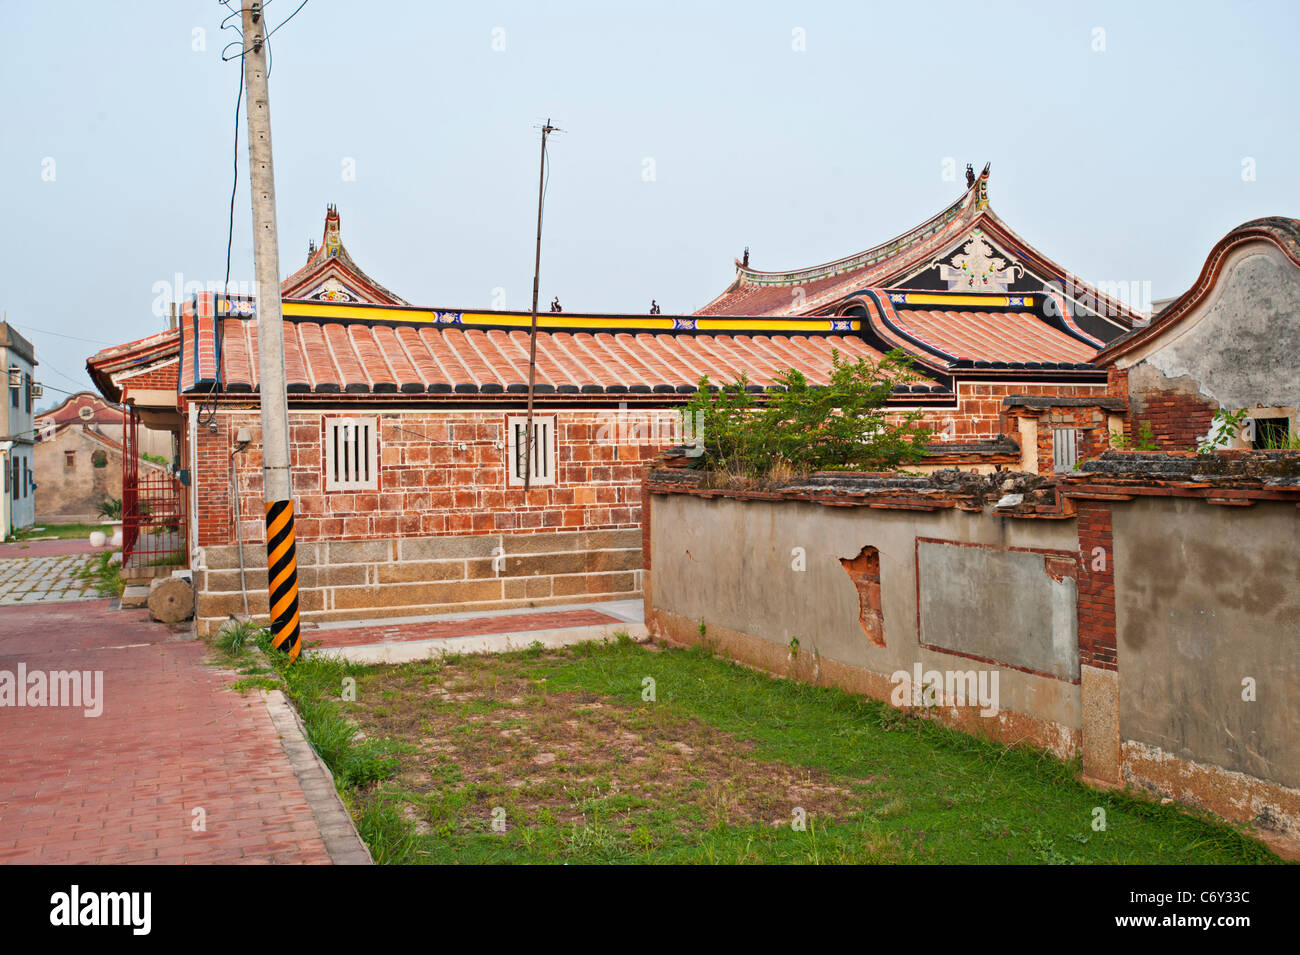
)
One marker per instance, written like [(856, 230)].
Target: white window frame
[(544, 464), (1063, 464), (358, 466)]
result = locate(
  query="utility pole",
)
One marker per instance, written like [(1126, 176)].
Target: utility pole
[(282, 571), (532, 332)]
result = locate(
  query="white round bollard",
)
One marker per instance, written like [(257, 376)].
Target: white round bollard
[(117, 538), (98, 538)]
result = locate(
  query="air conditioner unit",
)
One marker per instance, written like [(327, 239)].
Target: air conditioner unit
[(15, 376), (38, 390)]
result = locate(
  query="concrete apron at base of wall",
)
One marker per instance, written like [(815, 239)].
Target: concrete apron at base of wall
[(1007, 726), (406, 651), (1271, 810)]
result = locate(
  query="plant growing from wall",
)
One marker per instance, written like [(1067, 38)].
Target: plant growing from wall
[(111, 509), (1146, 440), (1223, 429), (799, 427)]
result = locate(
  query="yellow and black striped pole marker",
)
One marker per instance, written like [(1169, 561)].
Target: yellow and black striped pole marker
[(282, 578)]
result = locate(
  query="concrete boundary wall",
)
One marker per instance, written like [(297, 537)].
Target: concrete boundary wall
[(1149, 624), (403, 577)]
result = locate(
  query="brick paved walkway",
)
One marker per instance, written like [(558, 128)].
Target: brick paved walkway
[(27, 580), (172, 739)]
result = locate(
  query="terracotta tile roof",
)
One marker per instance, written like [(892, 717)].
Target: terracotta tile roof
[(107, 362), (994, 336), (958, 336), (373, 358)]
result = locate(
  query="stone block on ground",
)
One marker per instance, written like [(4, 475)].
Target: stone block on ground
[(135, 596), (170, 599)]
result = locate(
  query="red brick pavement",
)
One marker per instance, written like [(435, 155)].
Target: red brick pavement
[(472, 627), (172, 738), (49, 548)]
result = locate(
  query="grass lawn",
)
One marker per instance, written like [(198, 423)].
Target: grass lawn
[(561, 751), (62, 531)]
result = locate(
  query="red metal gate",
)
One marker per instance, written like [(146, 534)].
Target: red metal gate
[(154, 528)]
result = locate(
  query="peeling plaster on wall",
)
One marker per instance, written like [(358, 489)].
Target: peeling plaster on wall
[(1244, 340)]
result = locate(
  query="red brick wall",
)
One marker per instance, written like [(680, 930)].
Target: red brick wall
[(427, 487), (1097, 643), (210, 485), (153, 379), (979, 412), (1178, 419)]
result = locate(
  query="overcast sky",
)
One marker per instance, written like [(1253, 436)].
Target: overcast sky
[(1125, 138)]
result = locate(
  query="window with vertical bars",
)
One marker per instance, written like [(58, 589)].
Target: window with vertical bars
[(1065, 449), (351, 454), (542, 452)]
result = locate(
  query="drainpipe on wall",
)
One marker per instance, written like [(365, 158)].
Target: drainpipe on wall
[(6, 500)]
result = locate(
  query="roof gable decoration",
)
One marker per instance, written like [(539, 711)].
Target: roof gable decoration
[(977, 267), (331, 275)]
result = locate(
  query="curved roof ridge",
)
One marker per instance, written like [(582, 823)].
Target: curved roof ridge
[(1281, 231), (874, 255)]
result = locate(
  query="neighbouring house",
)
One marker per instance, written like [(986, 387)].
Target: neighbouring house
[(1230, 342), (78, 457), (18, 358), (408, 423)]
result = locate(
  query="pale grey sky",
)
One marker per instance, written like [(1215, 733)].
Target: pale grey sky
[(1126, 138)]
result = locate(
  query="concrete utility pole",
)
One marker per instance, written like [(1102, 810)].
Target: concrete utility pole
[(282, 577)]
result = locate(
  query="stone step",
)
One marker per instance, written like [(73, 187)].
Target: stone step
[(136, 596)]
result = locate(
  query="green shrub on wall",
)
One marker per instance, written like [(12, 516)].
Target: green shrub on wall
[(802, 428)]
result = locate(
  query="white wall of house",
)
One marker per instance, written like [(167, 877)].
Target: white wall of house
[(17, 373)]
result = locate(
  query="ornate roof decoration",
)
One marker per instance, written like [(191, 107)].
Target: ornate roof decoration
[(966, 247), (331, 275)]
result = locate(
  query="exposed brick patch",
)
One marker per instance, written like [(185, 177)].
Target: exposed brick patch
[(1096, 584), (864, 571), (1178, 418)]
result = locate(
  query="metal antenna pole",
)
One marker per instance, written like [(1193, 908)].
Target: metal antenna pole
[(532, 330)]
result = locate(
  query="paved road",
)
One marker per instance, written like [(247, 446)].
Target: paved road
[(29, 580), (173, 747), (50, 548)]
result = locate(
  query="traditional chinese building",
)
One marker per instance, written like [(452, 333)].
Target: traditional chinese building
[(1230, 343), (407, 423)]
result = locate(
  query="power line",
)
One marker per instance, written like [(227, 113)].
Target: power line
[(79, 384), (45, 331)]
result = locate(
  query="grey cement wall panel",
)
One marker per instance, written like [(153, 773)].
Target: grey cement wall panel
[(1204, 597), (1000, 605), (1237, 350), (728, 563)]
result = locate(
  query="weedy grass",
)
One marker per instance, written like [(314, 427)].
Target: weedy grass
[(561, 756), (105, 573)]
